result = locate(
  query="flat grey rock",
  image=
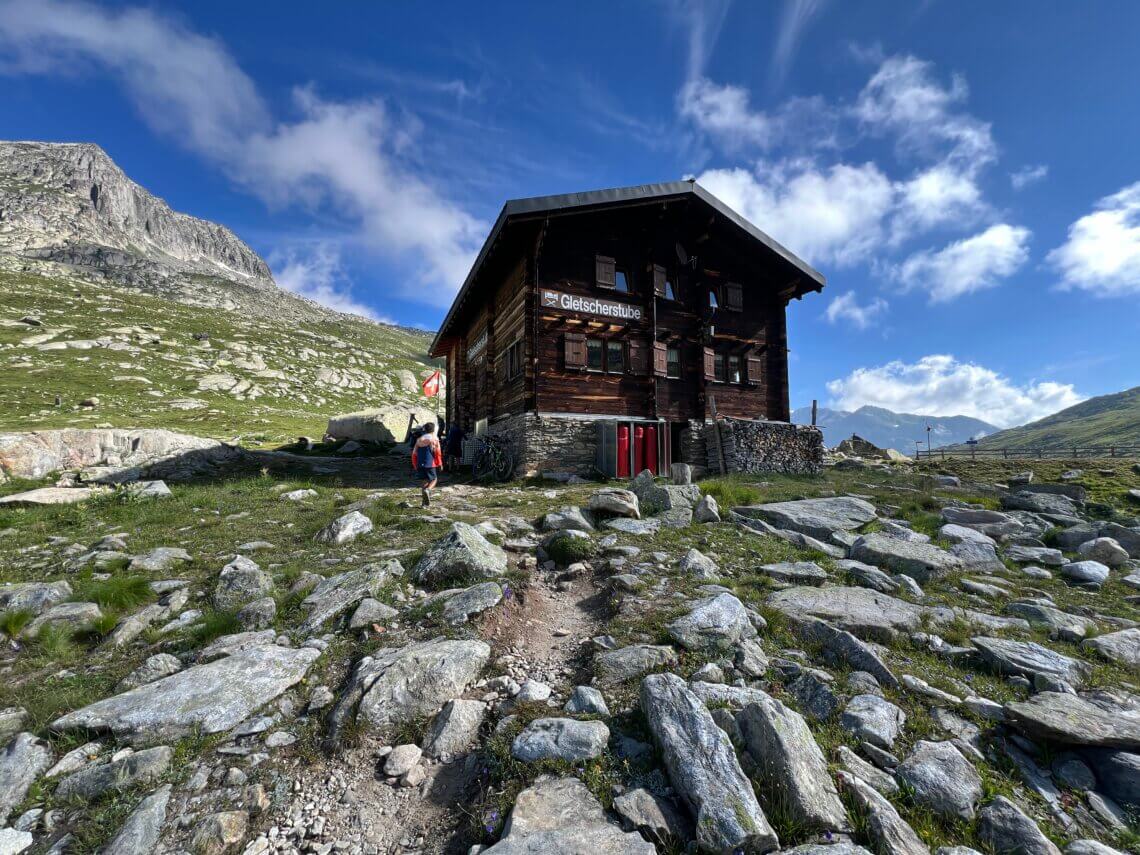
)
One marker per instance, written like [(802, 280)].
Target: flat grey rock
[(559, 816), (790, 765), (73, 615), (703, 768), (1118, 773), (336, 595), (616, 666), (560, 739), (587, 700), (890, 832), (455, 728), (818, 518), (852, 763), (714, 624), (795, 572), (34, 597), (567, 517), (154, 668), (413, 681), (873, 719), (1105, 550), (13, 841), (1094, 720), (867, 576), (1090, 573), (1035, 555), (613, 501), (463, 554), (845, 648), (1028, 658), (1006, 830), (1060, 624), (921, 561), (22, 761), (344, 529), (141, 767), (941, 779), (159, 560), (659, 820), (1122, 646), (472, 601), (209, 698), (632, 526)]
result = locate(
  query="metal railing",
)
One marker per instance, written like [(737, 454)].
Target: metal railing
[(1054, 451)]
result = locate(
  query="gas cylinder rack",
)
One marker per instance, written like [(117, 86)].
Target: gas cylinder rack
[(625, 447)]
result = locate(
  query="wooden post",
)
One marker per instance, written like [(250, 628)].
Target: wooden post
[(814, 411), (716, 436)]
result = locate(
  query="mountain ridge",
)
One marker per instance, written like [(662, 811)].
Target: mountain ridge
[(1112, 419), (888, 429)]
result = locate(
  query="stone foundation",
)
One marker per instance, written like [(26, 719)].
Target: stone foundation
[(550, 443), (761, 446)]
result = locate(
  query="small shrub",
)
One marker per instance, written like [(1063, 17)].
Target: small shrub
[(13, 621), (567, 550)]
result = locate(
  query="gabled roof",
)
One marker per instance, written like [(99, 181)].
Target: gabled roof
[(618, 197)]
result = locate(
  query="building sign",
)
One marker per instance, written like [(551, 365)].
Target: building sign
[(476, 349), (590, 305)]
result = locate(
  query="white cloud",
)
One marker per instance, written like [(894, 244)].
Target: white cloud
[(971, 264), (940, 385), (796, 16), (937, 196), (1027, 175), (1102, 252), (832, 214), (846, 309), (349, 158), (723, 111), (317, 274)]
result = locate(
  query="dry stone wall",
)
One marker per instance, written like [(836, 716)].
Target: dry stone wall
[(762, 446)]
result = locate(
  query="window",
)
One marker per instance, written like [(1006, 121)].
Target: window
[(514, 360), (595, 358), (574, 350), (615, 357), (713, 303), (734, 369), (734, 297), (670, 289), (673, 362), (663, 283), (720, 368), (621, 281), (604, 268)]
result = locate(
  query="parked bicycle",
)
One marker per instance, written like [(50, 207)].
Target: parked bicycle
[(494, 460)]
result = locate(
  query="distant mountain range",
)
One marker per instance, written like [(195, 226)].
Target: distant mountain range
[(1103, 420), (888, 429)]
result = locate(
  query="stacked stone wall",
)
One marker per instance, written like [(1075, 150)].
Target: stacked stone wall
[(762, 446), (550, 443)]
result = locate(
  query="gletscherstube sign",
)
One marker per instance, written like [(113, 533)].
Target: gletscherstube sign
[(478, 347), (589, 305)]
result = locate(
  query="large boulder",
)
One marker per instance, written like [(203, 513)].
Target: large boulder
[(818, 518), (139, 834), (790, 765), (612, 501), (23, 760), (941, 779), (240, 582), (34, 597), (384, 426), (1005, 830), (703, 768), (625, 663), (1118, 773), (139, 767), (889, 831), (455, 728), (1098, 719), (403, 684), (1105, 550), (870, 718), (714, 624), (1028, 659), (463, 554), (1122, 646), (559, 816), (920, 561), (209, 698), (344, 529)]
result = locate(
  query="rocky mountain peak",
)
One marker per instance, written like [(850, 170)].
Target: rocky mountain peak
[(69, 203)]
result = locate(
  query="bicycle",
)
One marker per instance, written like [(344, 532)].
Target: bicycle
[(493, 459)]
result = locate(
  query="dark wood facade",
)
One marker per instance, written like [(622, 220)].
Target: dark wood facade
[(654, 302)]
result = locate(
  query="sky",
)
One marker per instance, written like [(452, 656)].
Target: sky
[(963, 173)]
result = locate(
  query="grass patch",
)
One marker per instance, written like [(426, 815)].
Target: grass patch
[(214, 624), (13, 621), (118, 593)]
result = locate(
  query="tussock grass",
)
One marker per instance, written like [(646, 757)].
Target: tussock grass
[(118, 593)]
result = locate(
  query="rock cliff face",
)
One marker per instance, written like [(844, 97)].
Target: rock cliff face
[(69, 203)]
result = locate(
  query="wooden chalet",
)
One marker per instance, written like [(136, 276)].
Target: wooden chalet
[(654, 306)]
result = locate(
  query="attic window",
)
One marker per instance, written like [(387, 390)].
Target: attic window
[(621, 281)]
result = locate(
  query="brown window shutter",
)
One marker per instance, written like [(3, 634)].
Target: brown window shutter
[(638, 357), (710, 364), (605, 269), (755, 369), (659, 280), (734, 297), (574, 350), (660, 358)]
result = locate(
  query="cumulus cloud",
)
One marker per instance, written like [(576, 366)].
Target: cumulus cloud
[(833, 214), (940, 385), (318, 274), (723, 111), (846, 309), (968, 265), (1027, 175), (1102, 252), (348, 158)]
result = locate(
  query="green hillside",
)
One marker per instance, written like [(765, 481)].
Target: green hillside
[(1104, 420), (153, 362)]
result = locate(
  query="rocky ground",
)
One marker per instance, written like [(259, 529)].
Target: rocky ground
[(871, 659)]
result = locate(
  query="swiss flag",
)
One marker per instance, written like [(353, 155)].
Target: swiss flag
[(431, 385)]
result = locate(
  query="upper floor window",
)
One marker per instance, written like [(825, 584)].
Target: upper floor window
[(720, 368), (621, 281), (673, 362), (664, 283), (615, 357), (514, 360), (714, 303), (595, 356), (734, 369), (670, 289)]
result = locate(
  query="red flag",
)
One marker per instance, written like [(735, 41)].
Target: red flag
[(431, 385)]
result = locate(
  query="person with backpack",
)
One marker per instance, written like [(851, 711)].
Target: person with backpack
[(427, 460)]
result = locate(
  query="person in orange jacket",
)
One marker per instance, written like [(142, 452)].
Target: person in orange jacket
[(427, 460)]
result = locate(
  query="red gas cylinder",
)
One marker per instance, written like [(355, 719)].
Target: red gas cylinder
[(623, 451), (651, 449), (638, 449)]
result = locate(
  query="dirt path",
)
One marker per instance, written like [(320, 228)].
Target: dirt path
[(541, 632)]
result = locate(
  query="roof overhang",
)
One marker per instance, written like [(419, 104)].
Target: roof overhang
[(807, 278)]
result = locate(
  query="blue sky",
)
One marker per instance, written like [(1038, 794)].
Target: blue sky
[(964, 173)]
